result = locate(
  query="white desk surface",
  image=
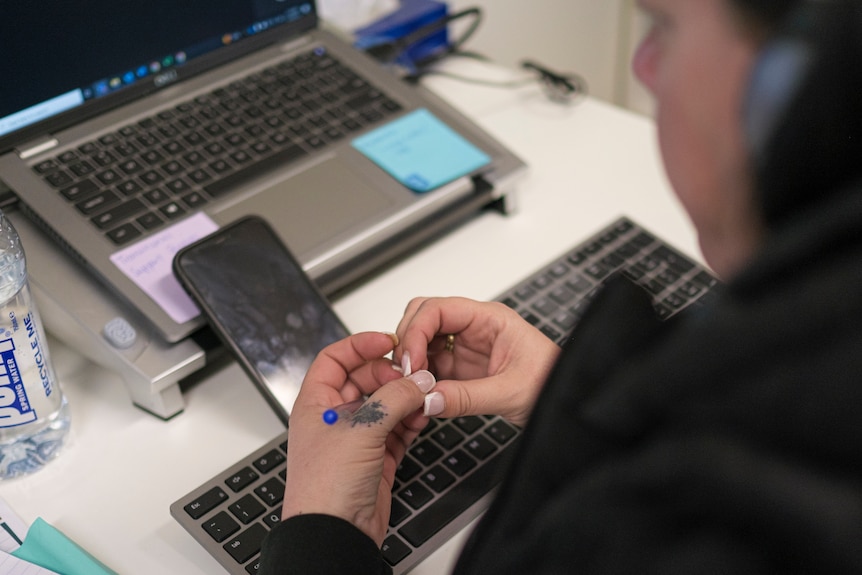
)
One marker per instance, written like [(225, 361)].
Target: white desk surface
[(111, 487)]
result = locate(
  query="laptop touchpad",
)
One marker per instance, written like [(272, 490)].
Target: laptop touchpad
[(314, 206)]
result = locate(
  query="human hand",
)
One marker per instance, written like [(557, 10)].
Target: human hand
[(347, 469), (487, 358)]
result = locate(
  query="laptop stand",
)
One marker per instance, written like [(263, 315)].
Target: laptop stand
[(85, 315)]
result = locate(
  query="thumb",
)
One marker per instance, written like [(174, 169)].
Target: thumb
[(394, 401)]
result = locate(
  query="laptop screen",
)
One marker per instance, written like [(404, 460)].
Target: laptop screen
[(62, 56)]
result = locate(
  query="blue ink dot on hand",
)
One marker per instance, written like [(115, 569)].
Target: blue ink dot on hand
[(330, 416)]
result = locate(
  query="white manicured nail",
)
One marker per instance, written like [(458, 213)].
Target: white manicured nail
[(406, 368), (434, 404), (424, 379)]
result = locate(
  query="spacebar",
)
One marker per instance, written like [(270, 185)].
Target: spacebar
[(231, 182), (463, 495)]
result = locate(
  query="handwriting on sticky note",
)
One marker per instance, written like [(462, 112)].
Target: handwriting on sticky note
[(421, 151), (148, 264)]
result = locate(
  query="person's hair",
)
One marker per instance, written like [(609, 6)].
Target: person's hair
[(759, 18)]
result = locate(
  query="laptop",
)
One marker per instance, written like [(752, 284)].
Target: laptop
[(130, 130)]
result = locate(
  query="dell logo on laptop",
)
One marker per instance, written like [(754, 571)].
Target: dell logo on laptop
[(165, 79)]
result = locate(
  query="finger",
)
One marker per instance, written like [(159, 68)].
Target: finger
[(409, 313), (483, 396), (371, 375), (428, 318), (395, 402), (337, 361)]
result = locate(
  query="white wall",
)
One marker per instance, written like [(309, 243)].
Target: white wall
[(564, 35), (594, 38)]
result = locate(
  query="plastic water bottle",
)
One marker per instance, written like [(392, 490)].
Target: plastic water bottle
[(34, 414)]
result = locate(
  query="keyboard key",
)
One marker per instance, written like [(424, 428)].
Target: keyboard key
[(459, 462), (271, 491), (550, 332), (97, 203), (108, 177), (273, 518), (206, 502), (438, 478), (247, 544), (543, 281), (220, 526), (247, 508), (579, 284), (480, 447), (59, 179), (426, 452), (468, 424), (565, 321), (123, 234), (194, 200), (79, 190), (501, 432), (241, 479), (149, 221), (172, 210), (399, 513), (119, 213), (415, 495), (447, 437), (68, 156), (269, 461), (408, 469), (674, 260), (394, 550), (129, 188), (45, 166), (545, 306)]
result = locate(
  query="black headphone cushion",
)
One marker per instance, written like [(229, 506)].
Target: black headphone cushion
[(811, 146)]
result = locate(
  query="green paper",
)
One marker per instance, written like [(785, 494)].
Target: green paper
[(49, 548)]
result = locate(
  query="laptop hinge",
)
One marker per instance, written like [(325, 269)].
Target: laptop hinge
[(37, 147)]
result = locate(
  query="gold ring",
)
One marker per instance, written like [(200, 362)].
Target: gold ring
[(450, 343)]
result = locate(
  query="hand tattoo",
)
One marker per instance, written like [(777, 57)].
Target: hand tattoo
[(368, 414)]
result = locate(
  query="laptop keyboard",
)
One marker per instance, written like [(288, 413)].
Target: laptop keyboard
[(144, 175), (448, 474)]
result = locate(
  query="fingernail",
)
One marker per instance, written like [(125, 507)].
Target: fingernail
[(406, 368), (424, 379), (397, 367), (434, 404), (393, 337)]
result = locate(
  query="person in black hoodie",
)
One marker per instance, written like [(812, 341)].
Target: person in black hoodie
[(725, 440)]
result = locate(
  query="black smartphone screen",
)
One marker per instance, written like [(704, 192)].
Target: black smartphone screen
[(261, 304)]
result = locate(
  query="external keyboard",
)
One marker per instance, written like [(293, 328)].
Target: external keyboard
[(554, 297), (448, 476)]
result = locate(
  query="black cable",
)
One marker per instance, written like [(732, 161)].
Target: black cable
[(389, 52), (559, 87)]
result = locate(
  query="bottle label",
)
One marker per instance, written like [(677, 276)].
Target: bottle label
[(15, 407)]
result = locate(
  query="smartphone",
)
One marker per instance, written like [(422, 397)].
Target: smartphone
[(261, 305)]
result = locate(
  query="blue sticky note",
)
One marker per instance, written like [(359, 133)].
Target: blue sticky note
[(420, 151)]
